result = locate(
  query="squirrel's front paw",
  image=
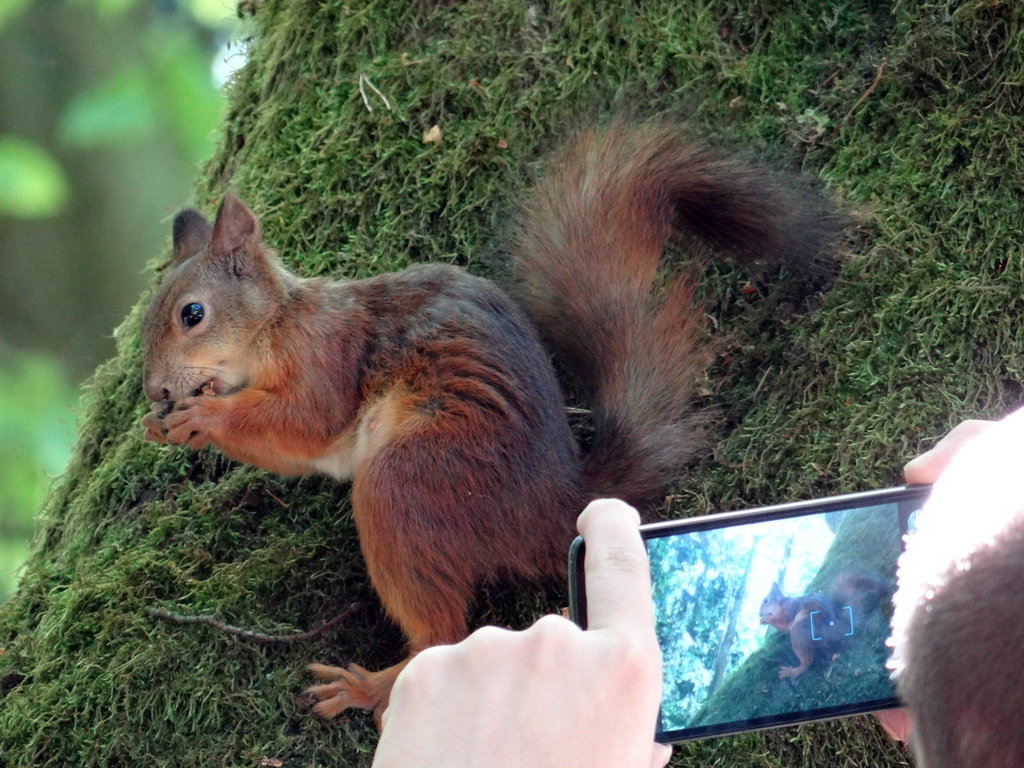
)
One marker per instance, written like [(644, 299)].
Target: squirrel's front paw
[(190, 423), (154, 426)]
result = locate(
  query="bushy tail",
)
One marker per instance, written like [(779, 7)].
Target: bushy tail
[(585, 258), (861, 590)]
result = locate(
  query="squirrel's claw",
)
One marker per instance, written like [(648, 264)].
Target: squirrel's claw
[(155, 430), (344, 689), (791, 673), (188, 424), (352, 686)]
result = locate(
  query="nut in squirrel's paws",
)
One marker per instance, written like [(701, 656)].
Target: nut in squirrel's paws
[(183, 422), (161, 409), (157, 428)]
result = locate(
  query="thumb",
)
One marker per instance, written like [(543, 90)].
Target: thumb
[(927, 467), (615, 567), (660, 755)]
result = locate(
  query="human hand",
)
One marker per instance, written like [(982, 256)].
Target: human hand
[(896, 723), (552, 695), (926, 468)]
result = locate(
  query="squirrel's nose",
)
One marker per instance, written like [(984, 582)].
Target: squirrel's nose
[(157, 392)]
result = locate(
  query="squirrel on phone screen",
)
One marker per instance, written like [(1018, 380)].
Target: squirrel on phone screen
[(432, 390), (819, 622)]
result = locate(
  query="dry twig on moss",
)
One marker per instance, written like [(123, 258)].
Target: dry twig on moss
[(248, 634)]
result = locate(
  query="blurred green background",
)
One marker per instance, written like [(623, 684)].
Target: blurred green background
[(106, 109)]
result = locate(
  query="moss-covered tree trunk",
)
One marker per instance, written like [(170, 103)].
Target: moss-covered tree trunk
[(910, 110)]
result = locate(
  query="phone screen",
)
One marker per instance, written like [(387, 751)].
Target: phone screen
[(776, 615)]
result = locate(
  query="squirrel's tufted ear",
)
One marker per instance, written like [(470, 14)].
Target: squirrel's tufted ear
[(236, 237), (190, 234)]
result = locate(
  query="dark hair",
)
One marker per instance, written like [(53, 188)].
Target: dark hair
[(962, 675)]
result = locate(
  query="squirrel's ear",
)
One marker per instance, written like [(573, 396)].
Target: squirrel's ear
[(190, 234), (236, 237)]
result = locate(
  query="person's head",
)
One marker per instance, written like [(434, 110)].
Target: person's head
[(963, 672), (958, 626)]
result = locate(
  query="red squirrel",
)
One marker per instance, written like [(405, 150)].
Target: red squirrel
[(816, 623), (431, 389)]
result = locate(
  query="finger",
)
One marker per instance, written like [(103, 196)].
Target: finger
[(660, 755), (615, 566), (927, 467), (895, 722)]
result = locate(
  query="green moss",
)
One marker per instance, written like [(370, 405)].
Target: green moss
[(814, 396)]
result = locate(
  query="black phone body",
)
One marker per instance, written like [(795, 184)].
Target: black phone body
[(775, 615)]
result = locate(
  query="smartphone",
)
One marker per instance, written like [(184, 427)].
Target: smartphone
[(772, 616)]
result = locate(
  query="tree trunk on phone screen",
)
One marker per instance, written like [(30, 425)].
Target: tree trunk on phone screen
[(371, 135), (729, 633)]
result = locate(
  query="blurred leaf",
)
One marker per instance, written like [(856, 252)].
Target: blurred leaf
[(35, 415), (32, 184), (11, 9), (13, 554), (114, 7), (183, 85), (213, 13), (36, 432), (120, 109), (107, 8)]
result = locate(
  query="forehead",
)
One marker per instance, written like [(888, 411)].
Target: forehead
[(180, 281)]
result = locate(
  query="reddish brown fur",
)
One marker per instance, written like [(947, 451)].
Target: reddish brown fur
[(430, 389), (586, 256)]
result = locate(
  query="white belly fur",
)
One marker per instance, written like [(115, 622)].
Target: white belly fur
[(372, 428)]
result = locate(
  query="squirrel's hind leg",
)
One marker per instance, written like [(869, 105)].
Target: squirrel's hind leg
[(429, 610), (417, 566), (353, 686), (446, 496), (437, 617)]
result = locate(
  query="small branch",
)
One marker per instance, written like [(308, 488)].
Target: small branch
[(277, 500), (760, 383), (861, 100), (365, 81), (216, 622)]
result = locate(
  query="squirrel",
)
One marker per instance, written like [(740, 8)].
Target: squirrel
[(818, 624), (432, 390)]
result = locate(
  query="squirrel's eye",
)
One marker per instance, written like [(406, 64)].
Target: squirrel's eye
[(192, 314)]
